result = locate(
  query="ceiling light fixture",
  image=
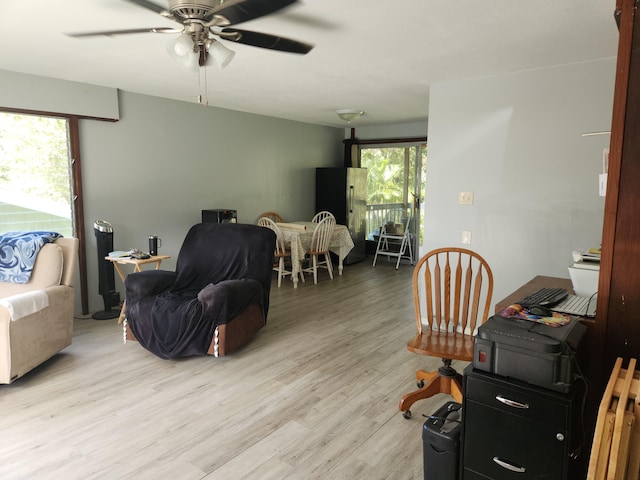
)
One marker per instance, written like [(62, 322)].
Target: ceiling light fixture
[(190, 55), (220, 54), (187, 52), (181, 50), (349, 114), (202, 20)]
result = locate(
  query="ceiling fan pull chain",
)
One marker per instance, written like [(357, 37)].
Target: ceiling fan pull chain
[(206, 87), (202, 100)]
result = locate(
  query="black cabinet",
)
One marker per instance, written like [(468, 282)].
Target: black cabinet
[(219, 216), (343, 192), (513, 430)]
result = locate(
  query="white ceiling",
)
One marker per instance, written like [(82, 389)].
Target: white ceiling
[(377, 56)]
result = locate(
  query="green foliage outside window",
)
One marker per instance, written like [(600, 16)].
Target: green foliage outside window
[(391, 180), (35, 173), (34, 156), (387, 182)]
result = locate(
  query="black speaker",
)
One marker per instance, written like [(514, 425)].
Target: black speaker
[(106, 274)]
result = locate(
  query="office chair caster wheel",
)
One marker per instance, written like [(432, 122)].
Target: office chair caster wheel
[(420, 383), (407, 414)]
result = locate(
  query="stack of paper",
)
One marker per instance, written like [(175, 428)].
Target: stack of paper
[(591, 255), (119, 254)]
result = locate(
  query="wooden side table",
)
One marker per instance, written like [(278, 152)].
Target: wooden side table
[(137, 263)]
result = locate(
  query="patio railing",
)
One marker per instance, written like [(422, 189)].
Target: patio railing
[(378, 215)]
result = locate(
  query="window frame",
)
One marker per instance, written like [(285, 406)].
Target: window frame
[(392, 143), (77, 210)]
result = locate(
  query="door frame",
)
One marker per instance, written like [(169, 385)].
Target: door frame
[(417, 142)]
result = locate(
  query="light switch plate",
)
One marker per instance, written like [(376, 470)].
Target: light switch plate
[(465, 238), (465, 198)]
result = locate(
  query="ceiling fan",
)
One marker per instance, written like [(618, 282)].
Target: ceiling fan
[(203, 20)]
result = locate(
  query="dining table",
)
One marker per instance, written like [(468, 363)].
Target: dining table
[(297, 237)]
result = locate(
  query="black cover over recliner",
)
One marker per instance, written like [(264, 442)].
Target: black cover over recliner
[(221, 271)]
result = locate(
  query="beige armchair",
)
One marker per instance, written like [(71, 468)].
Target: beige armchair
[(36, 318)]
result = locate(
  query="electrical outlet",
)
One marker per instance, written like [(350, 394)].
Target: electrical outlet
[(466, 237), (465, 198)]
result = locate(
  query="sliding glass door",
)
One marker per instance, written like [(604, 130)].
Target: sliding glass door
[(396, 183)]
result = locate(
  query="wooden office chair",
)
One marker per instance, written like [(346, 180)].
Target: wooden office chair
[(276, 217), (318, 217), (320, 246), (281, 253), (453, 288)]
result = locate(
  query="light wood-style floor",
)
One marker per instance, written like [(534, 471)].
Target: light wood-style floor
[(313, 396)]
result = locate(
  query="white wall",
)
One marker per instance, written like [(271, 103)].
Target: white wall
[(515, 141)]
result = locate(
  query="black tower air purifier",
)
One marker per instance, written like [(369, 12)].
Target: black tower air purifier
[(106, 277)]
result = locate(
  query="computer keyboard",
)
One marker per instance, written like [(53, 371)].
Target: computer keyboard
[(544, 296)]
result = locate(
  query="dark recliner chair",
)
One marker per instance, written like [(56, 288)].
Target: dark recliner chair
[(215, 301)]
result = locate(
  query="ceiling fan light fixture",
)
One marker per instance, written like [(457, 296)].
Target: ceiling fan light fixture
[(182, 52), (180, 46), (189, 62), (349, 114), (220, 54)]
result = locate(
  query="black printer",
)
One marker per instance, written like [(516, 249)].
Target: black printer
[(528, 351)]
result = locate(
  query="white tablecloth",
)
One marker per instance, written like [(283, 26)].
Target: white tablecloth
[(299, 241)]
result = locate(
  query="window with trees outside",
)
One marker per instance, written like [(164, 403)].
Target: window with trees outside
[(40, 178), (395, 181), (35, 174)]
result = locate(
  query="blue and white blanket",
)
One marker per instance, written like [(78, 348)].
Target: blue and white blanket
[(18, 252)]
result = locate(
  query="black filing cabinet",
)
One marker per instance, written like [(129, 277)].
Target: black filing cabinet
[(513, 430)]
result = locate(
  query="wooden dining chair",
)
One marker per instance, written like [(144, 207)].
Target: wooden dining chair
[(320, 246), (318, 217), (452, 290), (275, 216), (281, 253)]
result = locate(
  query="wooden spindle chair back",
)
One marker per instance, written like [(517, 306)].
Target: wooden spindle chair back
[(452, 280), (452, 289), (274, 216)]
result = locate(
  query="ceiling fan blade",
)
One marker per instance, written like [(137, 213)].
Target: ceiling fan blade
[(154, 7), (265, 40), (245, 10), (109, 33)]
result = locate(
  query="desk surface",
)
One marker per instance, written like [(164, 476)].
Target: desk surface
[(535, 284)]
